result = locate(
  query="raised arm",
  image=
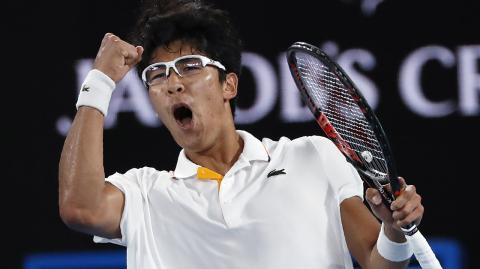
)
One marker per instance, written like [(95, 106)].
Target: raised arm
[(87, 203)]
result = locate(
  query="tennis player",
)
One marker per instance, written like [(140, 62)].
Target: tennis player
[(232, 201)]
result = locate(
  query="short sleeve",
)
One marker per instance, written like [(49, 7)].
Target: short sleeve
[(342, 176), (133, 211)]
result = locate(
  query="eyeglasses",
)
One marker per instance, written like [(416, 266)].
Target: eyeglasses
[(188, 65)]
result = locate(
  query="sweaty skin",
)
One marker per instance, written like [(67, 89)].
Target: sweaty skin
[(210, 139)]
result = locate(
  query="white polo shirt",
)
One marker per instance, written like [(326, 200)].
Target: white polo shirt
[(277, 207)]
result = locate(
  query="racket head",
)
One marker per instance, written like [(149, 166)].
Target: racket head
[(343, 113)]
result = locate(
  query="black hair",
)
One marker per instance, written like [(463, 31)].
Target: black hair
[(207, 29)]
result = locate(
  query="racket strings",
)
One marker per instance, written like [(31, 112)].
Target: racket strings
[(334, 99), (340, 97)]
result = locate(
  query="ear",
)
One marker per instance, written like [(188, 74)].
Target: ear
[(230, 86)]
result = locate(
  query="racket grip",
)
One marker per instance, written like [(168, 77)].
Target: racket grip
[(422, 250)]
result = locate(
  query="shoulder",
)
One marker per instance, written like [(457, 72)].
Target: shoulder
[(144, 177), (143, 173), (146, 172), (304, 143)]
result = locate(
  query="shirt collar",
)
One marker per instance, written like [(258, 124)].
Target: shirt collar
[(253, 150)]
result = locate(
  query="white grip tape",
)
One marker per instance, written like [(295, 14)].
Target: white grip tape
[(96, 91), (423, 253), (393, 251)]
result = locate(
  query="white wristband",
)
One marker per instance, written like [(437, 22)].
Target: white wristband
[(96, 91), (393, 251)]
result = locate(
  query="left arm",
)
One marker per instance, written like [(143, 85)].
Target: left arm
[(361, 232), (362, 229)]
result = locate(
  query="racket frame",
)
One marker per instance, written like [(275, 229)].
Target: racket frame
[(422, 250), (367, 175)]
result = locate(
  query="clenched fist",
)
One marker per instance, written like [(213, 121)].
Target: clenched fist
[(116, 57)]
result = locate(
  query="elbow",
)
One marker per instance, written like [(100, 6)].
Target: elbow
[(76, 218)]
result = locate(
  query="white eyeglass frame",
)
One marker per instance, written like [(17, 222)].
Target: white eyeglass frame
[(171, 64)]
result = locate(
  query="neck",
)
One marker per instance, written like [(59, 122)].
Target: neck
[(221, 156)]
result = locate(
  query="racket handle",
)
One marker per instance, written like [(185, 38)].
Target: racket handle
[(422, 250)]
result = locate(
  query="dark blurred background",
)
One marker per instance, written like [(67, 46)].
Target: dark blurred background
[(417, 62)]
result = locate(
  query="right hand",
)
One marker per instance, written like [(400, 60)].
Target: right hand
[(116, 57)]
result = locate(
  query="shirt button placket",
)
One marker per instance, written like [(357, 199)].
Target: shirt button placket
[(225, 202)]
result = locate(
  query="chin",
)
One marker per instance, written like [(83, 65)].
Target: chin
[(189, 141)]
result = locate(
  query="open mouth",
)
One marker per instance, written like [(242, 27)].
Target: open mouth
[(183, 115)]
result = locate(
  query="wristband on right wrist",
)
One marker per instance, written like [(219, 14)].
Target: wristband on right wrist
[(96, 91), (393, 251)]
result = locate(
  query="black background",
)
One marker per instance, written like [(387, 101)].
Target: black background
[(43, 39)]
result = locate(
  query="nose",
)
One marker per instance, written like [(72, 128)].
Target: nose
[(174, 82)]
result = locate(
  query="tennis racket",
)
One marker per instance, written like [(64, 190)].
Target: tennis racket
[(346, 118)]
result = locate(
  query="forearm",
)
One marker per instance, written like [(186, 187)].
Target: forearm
[(81, 171)]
